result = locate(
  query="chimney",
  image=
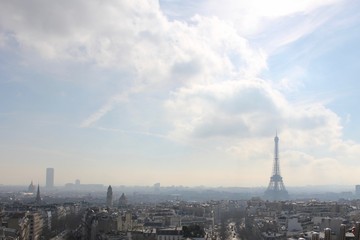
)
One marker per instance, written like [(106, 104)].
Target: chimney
[(315, 236), (327, 234), (357, 231), (342, 232)]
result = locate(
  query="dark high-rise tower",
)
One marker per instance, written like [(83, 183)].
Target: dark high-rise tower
[(276, 189), (109, 197), (49, 177)]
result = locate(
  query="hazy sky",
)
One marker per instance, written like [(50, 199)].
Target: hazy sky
[(181, 92)]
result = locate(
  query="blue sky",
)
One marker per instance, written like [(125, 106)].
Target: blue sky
[(179, 92)]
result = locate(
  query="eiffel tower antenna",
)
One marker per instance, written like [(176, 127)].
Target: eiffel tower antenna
[(276, 189)]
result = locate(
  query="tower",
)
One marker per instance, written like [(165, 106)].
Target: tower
[(38, 198), (49, 178), (109, 197), (31, 188), (276, 189), (123, 201)]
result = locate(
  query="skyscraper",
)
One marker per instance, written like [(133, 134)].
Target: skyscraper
[(276, 189), (50, 177), (109, 197)]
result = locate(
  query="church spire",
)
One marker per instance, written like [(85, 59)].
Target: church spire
[(38, 198)]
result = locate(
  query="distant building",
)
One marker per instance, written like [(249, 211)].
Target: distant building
[(157, 187), (77, 182), (38, 197), (357, 190), (109, 197), (100, 224), (69, 185), (123, 201), (170, 233), (50, 177), (294, 226), (31, 188)]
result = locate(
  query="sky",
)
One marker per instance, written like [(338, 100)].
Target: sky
[(180, 92)]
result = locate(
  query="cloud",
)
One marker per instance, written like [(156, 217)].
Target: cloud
[(102, 32), (205, 71), (202, 50), (242, 108), (229, 108), (133, 36), (255, 16)]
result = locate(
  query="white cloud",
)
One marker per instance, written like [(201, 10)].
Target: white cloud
[(230, 108), (246, 108), (208, 64), (255, 16)]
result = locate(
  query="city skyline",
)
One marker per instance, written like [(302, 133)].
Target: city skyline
[(179, 92)]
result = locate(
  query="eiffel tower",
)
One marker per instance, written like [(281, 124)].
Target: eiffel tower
[(276, 189)]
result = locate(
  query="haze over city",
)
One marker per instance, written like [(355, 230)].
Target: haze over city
[(179, 92)]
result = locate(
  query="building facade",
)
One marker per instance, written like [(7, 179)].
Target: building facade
[(109, 197), (50, 177)]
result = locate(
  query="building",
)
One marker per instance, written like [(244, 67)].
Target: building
[(50, 177), (109, 197), (157, 187), (123, 201), (22, 225), (31, 188), (357, 190), (170, 233), (36, 225), (19, 223), (38, 197)]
